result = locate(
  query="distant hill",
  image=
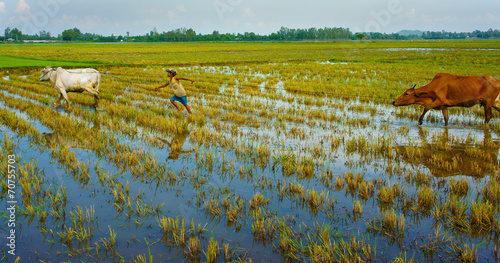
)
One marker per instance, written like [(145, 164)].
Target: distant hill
[(410, 33)]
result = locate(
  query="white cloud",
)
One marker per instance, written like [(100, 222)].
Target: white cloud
[(23, 11), (409, 14), (181, 8), (172, 15), (22, 7), (248, 13), (85, 23), (254, 26), (448, 19), (65, 20), (488, 17), (93, 21), (148, 22), (155, 11), (231, 22), (439, 20), (2, 8), (206, 23)]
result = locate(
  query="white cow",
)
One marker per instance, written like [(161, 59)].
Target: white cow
[(74, 80)]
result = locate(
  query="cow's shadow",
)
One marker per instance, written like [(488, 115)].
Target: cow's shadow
[(93, 109), (52, 140), (444, 158), (175, 145), (61, 138), (63, 109)]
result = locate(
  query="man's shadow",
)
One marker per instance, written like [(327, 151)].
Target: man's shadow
[(176, 145)]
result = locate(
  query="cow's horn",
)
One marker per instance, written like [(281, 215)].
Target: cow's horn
[(413, 86)]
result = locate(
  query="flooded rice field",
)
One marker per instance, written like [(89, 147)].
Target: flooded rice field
[(279, 162)]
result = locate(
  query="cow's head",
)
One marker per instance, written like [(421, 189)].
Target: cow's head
[(410, 96), (49, 139), (46, 72)]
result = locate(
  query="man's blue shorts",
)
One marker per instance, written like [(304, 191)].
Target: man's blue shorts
[(182, 99)]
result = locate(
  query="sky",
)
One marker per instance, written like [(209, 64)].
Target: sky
[(106, 17)]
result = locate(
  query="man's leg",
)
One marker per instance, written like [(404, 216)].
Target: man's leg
[(187, 108), (176, 105)]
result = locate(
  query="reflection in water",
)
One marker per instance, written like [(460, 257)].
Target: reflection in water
[(58, 139), (176, 145), (444, 156)]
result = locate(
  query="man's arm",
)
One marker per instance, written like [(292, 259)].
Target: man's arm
[(192, 80), (165, 141), (162, 86)]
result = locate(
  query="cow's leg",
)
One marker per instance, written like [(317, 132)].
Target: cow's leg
[(65, 95), (488, 114), (58, 100), (421, 119), (96, 99), (436, 104), (96, 96), (445, 115)]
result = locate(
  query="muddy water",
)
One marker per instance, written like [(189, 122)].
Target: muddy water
[(338, 142)]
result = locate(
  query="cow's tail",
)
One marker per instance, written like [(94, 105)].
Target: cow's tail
[(496, 103), (98, 81)]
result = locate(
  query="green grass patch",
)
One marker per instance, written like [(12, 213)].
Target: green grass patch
[(17, 62)]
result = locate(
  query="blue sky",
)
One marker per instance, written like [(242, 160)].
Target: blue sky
[(239, 16)]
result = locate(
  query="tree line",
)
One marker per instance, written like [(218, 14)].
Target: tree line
[(284, 34)]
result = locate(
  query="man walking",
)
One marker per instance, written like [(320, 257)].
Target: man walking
[(180, 94)]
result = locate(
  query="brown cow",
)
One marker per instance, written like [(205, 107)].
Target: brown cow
[(447, 90)]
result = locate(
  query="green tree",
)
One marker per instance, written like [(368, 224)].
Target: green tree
[(360, 36), (216, 35), (15, 33), (45, 35), (7, 33), (71, 34), (190, 35)]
